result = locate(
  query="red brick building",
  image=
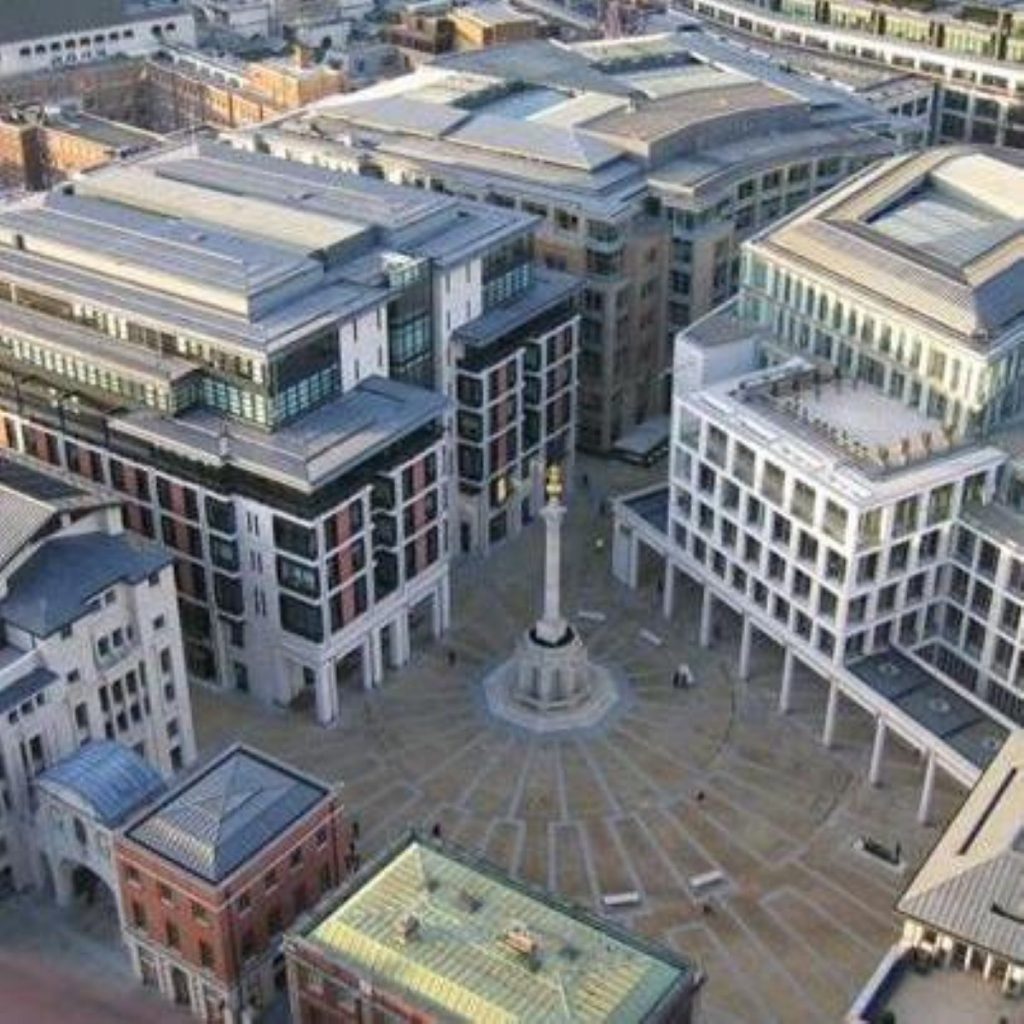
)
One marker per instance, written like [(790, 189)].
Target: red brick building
[(213, 874)]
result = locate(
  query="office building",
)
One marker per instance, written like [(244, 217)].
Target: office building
[(648, 159), (45, 36), (974, 53), (850, 498), (268, 363), (430, 933), (90, 652), (212, 873)]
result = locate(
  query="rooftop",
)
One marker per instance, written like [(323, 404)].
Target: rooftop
[(30, 19), (118, 137), (854, 438), (972, 884), (550, 288), (492, 12), (220, 816), (937, 235), (909, 685), (108, 778), (30, 500), (333, 439), (463, 941), (55, 586)]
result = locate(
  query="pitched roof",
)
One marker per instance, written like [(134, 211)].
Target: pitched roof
[(55, 585), (29, 501), (108, 777), (972, 884), (459, 966), (215, 820)]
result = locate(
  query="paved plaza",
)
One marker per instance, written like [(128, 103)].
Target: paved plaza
[(677, 783)]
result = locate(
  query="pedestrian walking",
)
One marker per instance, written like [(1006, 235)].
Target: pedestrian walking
[(451, 657), (436, 830), (675, 679), (586, 482)]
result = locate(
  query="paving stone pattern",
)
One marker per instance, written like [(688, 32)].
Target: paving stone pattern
[(678, 783)]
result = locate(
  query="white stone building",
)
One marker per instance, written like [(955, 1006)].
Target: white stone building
[(974, 53), (91, 647), (260, 358), (81, 802), (42, 36), (849, 500)]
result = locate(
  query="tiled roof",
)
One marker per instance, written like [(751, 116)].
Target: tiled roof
[(214, 821), (972, 884)]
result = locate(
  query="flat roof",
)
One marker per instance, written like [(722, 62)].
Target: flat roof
[(849, 435), (549, 289), (909, 685), (223, 814), (326, 442), (178, 254), (114, 135), (651, 507), (998, 520), (459, 964), (31, 19), (492, 12)]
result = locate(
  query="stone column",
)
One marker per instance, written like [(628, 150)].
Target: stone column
[(786, 690), (326, 696), (552, 627), (746, 641), (924, 807), (376, 657), (877, 752), (668, 597), (634, 561), (446, 602), (829, 732), (400, 651), (706, 615), (367, 662)]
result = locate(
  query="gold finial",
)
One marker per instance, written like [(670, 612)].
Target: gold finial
[(553, 489)]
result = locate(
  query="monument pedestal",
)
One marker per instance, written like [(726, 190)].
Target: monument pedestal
[(549, 684), (551, 677)]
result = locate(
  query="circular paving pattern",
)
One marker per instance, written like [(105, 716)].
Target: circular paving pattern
[(673, 784)]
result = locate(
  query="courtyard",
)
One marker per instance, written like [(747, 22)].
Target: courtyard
[(675, 784)]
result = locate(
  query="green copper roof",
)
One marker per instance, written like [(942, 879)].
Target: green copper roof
[(459, 963)]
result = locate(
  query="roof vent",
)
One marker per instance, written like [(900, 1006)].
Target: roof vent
[(469, 902), (409, 928), (521, 940)]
